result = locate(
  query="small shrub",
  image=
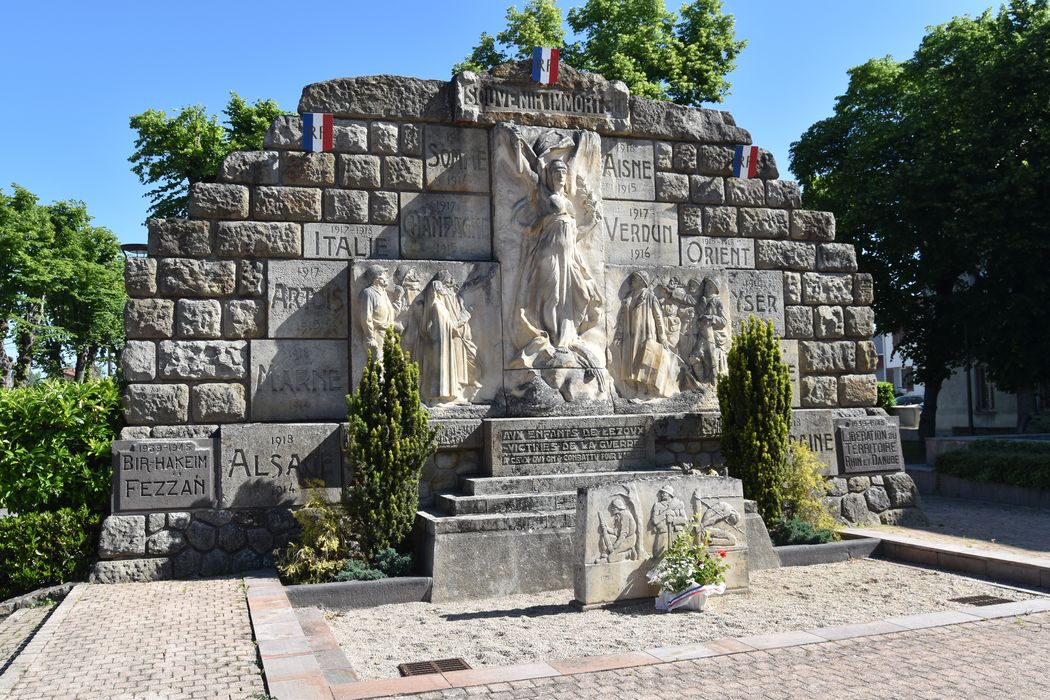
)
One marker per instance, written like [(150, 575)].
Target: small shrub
[(54, 445), (1011, 462), (755, 402), (804, 488), (887, 396), (358, 570), (785, 531), (325, 545), (389, 441), (391, 563), (45, 549)]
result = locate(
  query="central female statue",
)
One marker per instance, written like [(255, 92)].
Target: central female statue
[(558, 296)]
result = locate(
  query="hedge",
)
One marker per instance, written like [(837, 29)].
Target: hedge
[(1015, 463), (45, 549)]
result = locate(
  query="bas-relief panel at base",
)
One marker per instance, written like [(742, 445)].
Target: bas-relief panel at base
[(671, 332), (448, 317), (622, 529)]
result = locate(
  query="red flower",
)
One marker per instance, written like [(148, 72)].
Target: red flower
[(722, 553)]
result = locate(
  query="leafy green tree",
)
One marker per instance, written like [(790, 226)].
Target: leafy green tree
[(657, 53), (173, 152), (755, 401), (389, 441), (936, 168), (61, 287)]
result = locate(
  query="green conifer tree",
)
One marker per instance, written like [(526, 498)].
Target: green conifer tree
[(755, 401), (389, 441)]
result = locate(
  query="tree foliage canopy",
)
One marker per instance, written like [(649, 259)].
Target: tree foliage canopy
[(657, 53), (174, 151), (937, 168), (61, 285)]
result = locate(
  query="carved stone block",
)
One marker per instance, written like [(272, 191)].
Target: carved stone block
[(163, 474), (819, 392), (812, 225), (258, 239), (672, 187), (211, 200), (763, 223), (271, 464), (347, 241), (622, 528), (641, 233), (745, 193), (286, 204), (707, 190), (783, 194), (815, 429), (789, 351), (299, 380), (183, 277), (179, 238), (307, 299), (721, 221), (837, 257), (869, 444), (707, 252), (308, 169), (758, 293), (446, 226), (456, 159), (818, 288)]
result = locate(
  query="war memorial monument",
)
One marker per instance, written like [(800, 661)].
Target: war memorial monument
[(567, 263)]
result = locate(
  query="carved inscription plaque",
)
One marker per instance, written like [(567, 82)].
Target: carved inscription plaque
[(789, 351), (628, 171), (869, 444), (299, 379), (446, 227), (456, 159), (272, 464), (518, 447), (758, 293), (347, 241), (702, 251), (163, 474), (814, 429), (641, 233), (307, 299)]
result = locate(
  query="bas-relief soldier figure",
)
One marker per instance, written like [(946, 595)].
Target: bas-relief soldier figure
[(667, 519), (720, 519), (376, 311), (713, 334), (619, 540)]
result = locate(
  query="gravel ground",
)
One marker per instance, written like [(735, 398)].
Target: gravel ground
[(524, 628)]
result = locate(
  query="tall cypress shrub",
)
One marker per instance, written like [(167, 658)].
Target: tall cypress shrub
[(389, 441), (755, 400)]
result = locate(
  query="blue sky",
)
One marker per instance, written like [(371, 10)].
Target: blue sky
[(75, 71)]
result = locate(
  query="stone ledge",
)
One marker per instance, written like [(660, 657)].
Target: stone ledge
[(361, 594), (809, 554)]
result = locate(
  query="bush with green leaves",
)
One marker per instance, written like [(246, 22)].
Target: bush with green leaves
[(325, 544), (389, 440), (358, 570), (1023, 463), (45, 549), (887, 396), (54, 445), (787, 531), (804, 488), (755, 401)]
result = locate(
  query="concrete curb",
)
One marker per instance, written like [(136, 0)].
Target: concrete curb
[(361, 594), (828, 553), (35, 598), (1016, 569)]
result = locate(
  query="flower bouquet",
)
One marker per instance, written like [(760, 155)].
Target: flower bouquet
[(688, 572)]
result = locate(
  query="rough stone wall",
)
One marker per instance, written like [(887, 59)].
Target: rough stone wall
[(241, 321)]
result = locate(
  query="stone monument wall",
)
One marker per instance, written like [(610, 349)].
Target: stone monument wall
[(542, 251)]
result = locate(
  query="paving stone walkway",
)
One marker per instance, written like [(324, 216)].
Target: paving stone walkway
[(161, 641), (1000, 658), (982, 525), (17, 629)]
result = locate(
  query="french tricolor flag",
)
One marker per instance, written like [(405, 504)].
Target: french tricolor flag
[(745, 161), (317, 131), (545, 65)]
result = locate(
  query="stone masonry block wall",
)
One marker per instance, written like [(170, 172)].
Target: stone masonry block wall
[(245, 324)]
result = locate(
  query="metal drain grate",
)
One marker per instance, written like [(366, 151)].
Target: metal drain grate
[(421, 668), (980, 600)]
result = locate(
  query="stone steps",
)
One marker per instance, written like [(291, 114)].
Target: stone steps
[(550, 483), (440, 524), (506, 503)]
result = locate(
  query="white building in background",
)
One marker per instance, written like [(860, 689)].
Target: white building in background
[(994, 411)]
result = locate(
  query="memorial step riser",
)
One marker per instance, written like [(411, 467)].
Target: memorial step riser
[(510, 503), (439, 524), (551, 483)]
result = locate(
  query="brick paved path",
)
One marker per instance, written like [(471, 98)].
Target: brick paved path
[(1001, 658), (983, 525), (16, 630), (173, 639)]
